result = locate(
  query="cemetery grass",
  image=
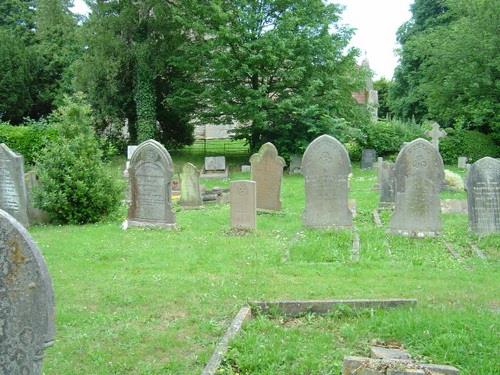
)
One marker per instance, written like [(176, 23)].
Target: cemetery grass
[(157, 302)]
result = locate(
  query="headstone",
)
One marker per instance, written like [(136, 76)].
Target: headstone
[(13, 197), (26, 301), (387, 188), (462, 162), (190, 186), (130, 152), (295, 164), (435, 134), (368, 157), (246, 168), (483, 196), (35, 215), (267, 171), (380, 160), (419, 174), (151, 172), (326, 167), (243, 199), (215, 167)]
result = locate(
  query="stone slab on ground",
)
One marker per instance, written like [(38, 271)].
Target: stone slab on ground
[(380, 352)]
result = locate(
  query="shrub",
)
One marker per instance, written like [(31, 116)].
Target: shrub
[(387, 136), (471, 143), (75, 187)]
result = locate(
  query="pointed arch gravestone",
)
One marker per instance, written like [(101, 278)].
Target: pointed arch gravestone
[(150, 173), (190, 186), (483, 196), (13, 196), (26, 301), (326, 167), (419, 174), (267, 172)]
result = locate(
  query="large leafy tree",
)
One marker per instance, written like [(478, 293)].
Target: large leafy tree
[(282, 69)]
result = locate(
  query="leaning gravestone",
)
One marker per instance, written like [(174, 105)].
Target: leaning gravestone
[(386, 185), (150, 174), (243, 199), (419, 174), (13, 197), (368, 158), (267, 171), (326, 167), (483, 196), (26, 301), (190, 186)]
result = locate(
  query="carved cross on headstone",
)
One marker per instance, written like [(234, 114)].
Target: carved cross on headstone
[(435, 134)]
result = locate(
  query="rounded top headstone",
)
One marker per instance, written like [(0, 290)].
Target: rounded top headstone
[(151, 151), (327, 149)]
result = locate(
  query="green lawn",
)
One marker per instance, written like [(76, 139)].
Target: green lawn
[(157, 302)]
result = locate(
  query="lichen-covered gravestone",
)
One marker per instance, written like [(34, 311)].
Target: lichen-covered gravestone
[(326, 167), (26, 301), (386, 184), (150, 174), (243, 200), (190, 186), (13, 197), (419, 174), (267, 171), (483, 196), (368, 158)]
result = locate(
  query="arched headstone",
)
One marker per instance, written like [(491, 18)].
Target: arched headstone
[(150, 175), (419, 174), (483, 196), (26, 301), (267, 171), (190, 186), (326, 168)]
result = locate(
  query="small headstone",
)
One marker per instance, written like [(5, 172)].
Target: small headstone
[(35, 215), (435, 134), (419, 174), (326, 167), (13, 197), (387, 185), (462, 162), (267, 171), (190, 186), (243, 199), (295, 165), (483, 196), (368, 157), (130, 151), (215, 167), (151, 172), (246, 168), (26, 301)]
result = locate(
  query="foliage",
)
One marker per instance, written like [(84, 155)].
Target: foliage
[(75, 186), (470, 143), (383, 86), (387, 136)]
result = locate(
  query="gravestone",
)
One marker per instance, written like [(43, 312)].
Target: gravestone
[(462, 162), (387, 188), (326, 167), (267, 171), (483, 196), (13, 197), (243, 199), (419, 174), (295, 165), (26, 301), (151, 172), (215, 167), (246, 168), (368, 157), (190, 186), (130, 152), (35, 215), (435, 134)]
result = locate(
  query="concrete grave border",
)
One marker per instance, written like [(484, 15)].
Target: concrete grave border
[(292, 309)]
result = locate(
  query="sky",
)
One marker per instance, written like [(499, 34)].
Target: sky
[(376, 23)]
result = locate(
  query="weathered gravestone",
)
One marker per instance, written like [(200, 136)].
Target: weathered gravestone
[(243, 199), (26, 301), (190, 186), (368, 157), (419, 174), (150, 171), (483, 196), (267, 171), (435, 134), (13, 197), (387, 187), (326, 167), (462, 162), (215, 167), (35, 215), (295, 165)]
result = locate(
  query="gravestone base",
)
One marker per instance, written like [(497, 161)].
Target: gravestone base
[(215, 174), (143, 224), (415, 234)]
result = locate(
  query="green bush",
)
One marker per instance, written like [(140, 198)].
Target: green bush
[(75, 187), (387, 136), (471, 143), (27, 140)]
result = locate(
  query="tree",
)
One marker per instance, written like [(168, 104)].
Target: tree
[(383, 86), (282, 69)]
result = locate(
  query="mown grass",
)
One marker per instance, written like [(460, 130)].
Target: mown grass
[(156, 302)]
